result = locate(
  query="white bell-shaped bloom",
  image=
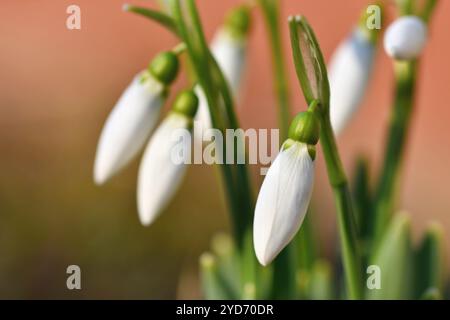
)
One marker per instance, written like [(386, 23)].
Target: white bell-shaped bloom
[(230, 54), (160, 174), (282, 201), (128, 126), (405, 38), (349, 72)]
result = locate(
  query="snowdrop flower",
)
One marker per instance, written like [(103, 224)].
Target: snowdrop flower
[(286, 191), (229, 48), (349, 71), (405, 38), (132, 119), (159, 174)]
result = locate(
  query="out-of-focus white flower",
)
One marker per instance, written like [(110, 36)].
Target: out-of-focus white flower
[(405, 38), (349, 71), (128, 126), (203, 116), (161, 170), (230, 53), (229, 48), (132, 119), (282, 201)]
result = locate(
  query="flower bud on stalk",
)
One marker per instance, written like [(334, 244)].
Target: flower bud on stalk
[(160, 174), (405, 38), (286, 191), (229, 48), (349, 72), (134, 116)]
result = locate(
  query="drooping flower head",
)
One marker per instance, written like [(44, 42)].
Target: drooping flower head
[(162, 170), (405, 38), (286, 191), (134, 116), (349, 73)]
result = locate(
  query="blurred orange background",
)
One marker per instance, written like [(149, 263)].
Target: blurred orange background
[(56, 88)]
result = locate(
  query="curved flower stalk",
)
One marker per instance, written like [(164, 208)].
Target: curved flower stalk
[(313, 79), (133, 118), (286, 191), (162, 168), (349, 73), (229, 48), (405, 38), (404, 41)]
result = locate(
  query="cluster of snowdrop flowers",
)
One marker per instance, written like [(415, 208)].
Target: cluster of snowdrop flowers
[(229, 48), (405, 38), (129, 126), (286, 191), (135, 115), (349, 73)]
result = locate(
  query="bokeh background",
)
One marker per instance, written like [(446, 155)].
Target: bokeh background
[(57, 87)]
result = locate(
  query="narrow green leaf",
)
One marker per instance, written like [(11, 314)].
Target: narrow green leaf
[(214, 286), (394, 258), (431, 294), (321, 282), (428, 9), (306, 244), (284, 274), (405, 7), (362, 196), (157, 16), (227, 261), (430, 261)]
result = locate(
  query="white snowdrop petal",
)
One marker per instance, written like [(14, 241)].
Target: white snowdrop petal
[(349, 72), (203, 116), (230, 55), (128, 127), (282, 201), (405, 38), (159, 175)]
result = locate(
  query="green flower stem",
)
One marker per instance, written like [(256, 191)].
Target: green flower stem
[(284, 265), (270, 9), (398, 131), (428, 9), (405, 74), (313, 80), (351, 251), (212, 80), (406, 7)]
